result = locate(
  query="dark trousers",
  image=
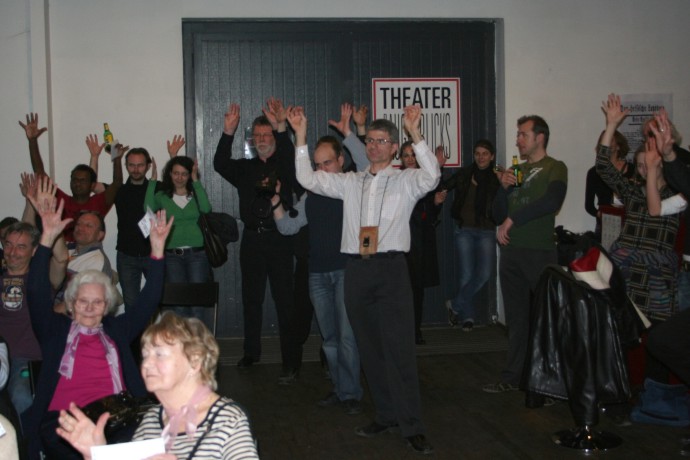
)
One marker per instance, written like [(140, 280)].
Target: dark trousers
[(378, 298), (269, 256), (669, 342), (519, 269), (303, 310)]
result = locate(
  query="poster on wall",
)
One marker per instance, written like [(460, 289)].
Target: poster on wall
[(642, 107), (440, 102)]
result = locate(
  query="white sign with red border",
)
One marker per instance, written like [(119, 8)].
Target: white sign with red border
[(440, 102)]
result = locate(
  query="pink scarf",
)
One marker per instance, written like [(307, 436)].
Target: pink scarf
[(67, 362), (187, 414)]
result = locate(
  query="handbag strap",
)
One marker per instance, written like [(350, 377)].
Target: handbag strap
[(209, 428)]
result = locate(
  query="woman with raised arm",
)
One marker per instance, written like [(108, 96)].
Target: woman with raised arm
[(86, 355), (644, 251)]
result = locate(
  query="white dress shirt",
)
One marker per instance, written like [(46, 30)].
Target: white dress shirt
[(384, 200)]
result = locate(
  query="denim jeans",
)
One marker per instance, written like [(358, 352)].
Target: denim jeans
[(327, 292), (190, 267), (475, 252), (19, 386), (683, 289), (129, 270)]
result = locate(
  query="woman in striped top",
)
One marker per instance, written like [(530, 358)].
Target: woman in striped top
[(179, 364)]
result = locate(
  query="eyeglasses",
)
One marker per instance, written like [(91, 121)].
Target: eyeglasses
[(83, 303), (370, 140)]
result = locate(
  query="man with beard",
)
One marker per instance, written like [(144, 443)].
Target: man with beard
[(264, 252)]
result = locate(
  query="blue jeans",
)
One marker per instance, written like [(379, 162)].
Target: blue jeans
[(475, 252), (190, 267), (129, 270), (19, 386), (327, 293), (683, 290)]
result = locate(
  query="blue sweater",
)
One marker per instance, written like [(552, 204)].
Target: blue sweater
[(52, 328)]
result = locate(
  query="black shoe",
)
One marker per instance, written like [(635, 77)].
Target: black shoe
[(374, 429), (419, 444), (288, 377), (330, 400), (467, 326), (246, 362), (352, 407)]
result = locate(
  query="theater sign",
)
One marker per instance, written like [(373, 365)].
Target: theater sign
[(440, 102)]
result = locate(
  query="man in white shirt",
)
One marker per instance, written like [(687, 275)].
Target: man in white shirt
[(377, 204)]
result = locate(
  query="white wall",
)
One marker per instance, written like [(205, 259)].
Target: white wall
[(121, 62)]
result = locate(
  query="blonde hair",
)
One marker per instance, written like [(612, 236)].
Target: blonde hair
[(198, 344)]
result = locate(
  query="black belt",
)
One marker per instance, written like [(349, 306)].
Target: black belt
[(182, 251), (378, 255), (260, 229), (685, 266)]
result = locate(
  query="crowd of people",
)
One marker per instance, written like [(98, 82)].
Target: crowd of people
[(342, 235)]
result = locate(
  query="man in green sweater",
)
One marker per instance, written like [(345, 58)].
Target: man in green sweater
[(527, 214)]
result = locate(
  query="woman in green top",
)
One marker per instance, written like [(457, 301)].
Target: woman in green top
[(182, 195)]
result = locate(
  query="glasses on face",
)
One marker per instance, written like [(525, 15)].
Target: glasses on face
[(371, 140), (83, 303)]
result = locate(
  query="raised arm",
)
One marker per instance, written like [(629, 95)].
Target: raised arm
[(360, 118), (117, 153), (28, 187), (343, 125), (95, 150), (652, 160), (175, 145), (276, 114), (614, 117), (33, 132)]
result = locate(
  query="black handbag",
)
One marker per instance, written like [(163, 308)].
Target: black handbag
[(218, 230), (125, 410)]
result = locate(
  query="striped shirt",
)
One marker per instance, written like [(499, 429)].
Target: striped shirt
[(230, 437)]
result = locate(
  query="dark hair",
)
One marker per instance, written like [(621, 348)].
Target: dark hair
[(23, 227), (539, 126), (7, 221), (621, 142), (261, 120), (405, 145), (333, 142), (101, 221), (387, 126), (139, 151), (484, 143), (88, 169), (168, 187)]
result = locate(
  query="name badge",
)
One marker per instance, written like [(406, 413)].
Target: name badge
[(368, 240)]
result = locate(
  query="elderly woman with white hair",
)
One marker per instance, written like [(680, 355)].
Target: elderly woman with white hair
[(86, 355), (179, 364)]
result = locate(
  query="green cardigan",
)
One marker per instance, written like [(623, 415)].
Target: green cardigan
[(185, 231)]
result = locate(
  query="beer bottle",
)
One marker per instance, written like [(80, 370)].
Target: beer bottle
[(517, 172), (107, 137)]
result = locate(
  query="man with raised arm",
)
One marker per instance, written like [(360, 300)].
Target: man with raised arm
[(377, 204), (82, 179), (264, 252)]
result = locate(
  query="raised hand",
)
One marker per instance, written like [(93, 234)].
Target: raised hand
[(613, 111), (31, 127), (195, 170), (652, 157), (411, 122), (154, 169), (175, 145), (159, 233), (663, 134), (276, 113), (232, 119), (94, 147), (343, 125), (359, 116), (298, 122), (78, 429), (51, 215), (28, 186), (118, 151)]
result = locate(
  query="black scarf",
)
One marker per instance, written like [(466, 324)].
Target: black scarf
[(482, 177)]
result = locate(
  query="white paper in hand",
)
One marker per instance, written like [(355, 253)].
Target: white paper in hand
[(145, 222), (137, 450)]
